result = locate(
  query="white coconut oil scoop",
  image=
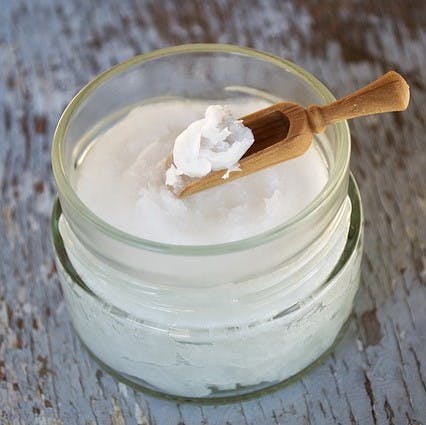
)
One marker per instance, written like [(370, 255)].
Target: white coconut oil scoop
[(218, 148)]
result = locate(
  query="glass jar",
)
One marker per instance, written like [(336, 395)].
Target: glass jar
[(214, 320)]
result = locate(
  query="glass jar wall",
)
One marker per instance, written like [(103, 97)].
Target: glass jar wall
[(213, 320)]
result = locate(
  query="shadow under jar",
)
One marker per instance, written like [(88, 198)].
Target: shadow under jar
[(205, 321)]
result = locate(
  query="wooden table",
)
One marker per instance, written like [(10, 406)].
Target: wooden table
[(49, 49)]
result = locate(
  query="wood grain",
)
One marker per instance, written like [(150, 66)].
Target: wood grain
[(389, 93), (50, 48)]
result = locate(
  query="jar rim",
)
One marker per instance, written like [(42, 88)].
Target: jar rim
[(337, 174)]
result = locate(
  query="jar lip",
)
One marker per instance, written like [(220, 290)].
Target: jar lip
[(337, 175)]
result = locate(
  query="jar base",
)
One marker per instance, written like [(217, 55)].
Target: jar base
[(223, 397)]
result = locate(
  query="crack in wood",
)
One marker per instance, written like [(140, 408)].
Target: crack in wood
[(368, 389)]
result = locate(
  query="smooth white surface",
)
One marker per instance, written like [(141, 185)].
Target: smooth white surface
[(122, 180)]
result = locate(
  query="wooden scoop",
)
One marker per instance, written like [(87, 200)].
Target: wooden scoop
[(285, 130)]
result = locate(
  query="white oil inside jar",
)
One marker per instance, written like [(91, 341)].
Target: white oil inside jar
[(121, 179)]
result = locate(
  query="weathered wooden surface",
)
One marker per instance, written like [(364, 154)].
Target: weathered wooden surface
[(48, 49)]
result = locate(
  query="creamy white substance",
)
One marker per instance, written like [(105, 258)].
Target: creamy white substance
[(194, 325), (215, 142), (122, 178)]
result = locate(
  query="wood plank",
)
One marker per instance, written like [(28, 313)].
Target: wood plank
[(50, 48)]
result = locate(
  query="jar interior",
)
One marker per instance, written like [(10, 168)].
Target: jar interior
[(215, 76)]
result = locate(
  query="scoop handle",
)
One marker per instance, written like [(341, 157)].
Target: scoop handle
[(388, 93)]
